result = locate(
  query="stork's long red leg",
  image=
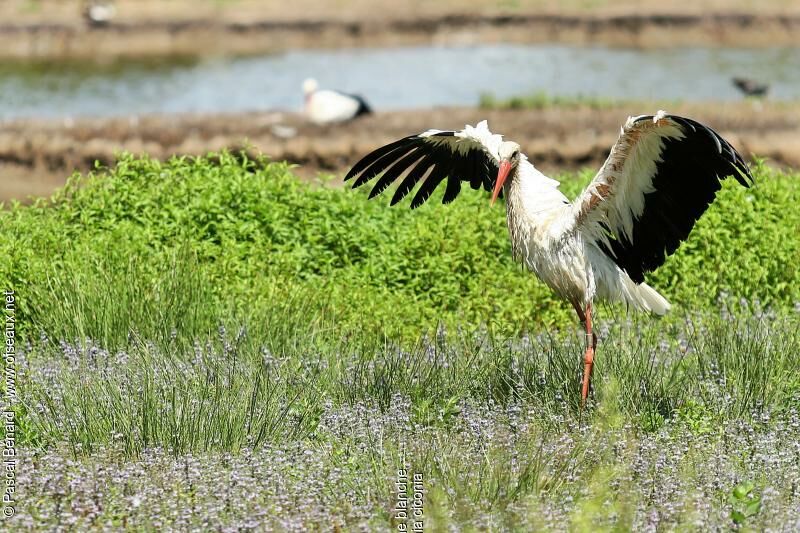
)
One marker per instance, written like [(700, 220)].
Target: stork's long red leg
[(588, 357)]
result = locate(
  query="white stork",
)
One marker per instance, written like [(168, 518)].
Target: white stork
[(324, 106), (99, 13), (660, 177)]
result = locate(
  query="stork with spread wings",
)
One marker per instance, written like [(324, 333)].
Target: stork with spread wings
[(660, 177)]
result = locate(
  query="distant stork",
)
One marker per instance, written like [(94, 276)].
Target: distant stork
[(751, 87), (327, 106), (660, 177), (99, 13)]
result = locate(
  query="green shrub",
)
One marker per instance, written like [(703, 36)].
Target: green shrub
[(151, 247)]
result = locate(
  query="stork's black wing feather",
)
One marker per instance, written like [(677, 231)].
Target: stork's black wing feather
[(431, 158), (661, 176), (363, 107)]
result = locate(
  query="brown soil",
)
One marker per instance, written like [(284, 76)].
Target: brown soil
[(195, 27), (70, 11), (37, 156)]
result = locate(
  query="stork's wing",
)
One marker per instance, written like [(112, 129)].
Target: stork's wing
[(467, 155), (660, 177)]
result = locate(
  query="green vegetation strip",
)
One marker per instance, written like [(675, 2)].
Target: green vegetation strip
[(150, 247), (544, 100)]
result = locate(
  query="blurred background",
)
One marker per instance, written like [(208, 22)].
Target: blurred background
[(82, 80)]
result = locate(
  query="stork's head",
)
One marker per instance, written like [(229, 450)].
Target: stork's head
[(310, 86), (509, 158)]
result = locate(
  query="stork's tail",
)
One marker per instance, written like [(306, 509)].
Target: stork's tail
[(650, 300)]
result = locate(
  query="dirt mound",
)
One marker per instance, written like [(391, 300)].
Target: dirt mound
[(191, 28), (37, 156)]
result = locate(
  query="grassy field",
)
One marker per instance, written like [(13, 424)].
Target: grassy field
[(212, 344)]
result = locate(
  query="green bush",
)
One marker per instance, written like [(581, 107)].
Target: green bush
[(544, 100), (151, 247)]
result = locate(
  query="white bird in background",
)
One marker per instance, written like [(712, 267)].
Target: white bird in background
[(99, 13), (327, 106), (660, 177)]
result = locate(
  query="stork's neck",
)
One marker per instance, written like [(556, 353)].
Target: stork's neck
[(533, 203), (530, 193)]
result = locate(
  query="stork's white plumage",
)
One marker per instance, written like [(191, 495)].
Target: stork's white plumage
[(323, 106), (99, 13), (659, 178)]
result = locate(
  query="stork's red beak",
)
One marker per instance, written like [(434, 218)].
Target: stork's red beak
[(502, 174)]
